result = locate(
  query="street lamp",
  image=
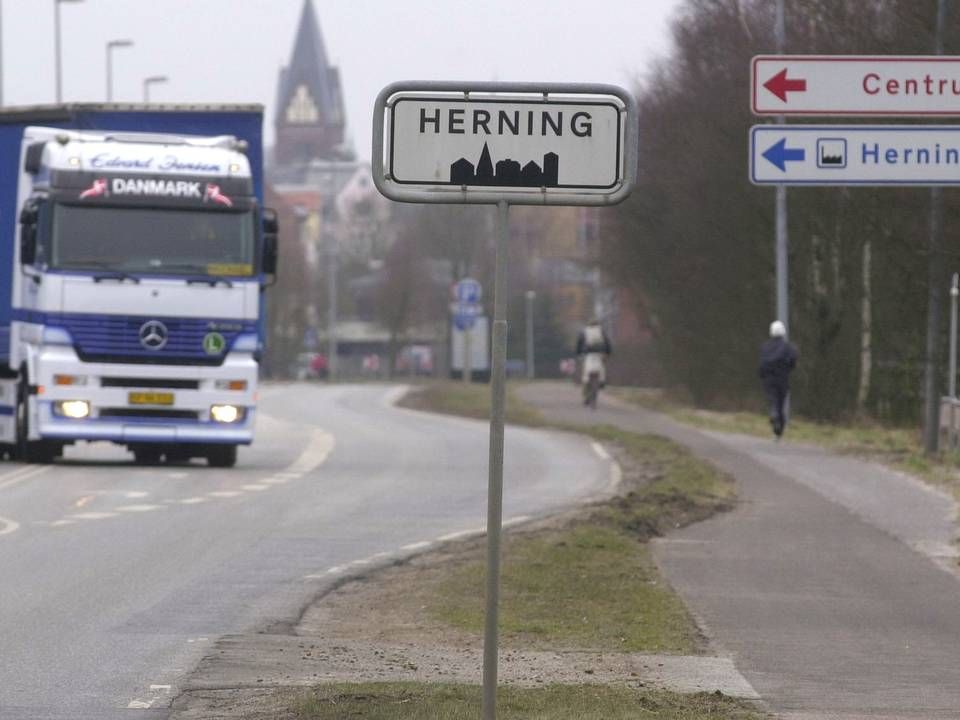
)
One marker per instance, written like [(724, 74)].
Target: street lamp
[(110, 47), (56, 44), (152, 80), (530, 297)]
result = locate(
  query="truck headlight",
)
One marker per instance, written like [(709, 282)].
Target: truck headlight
[(226, 413), (56, 336), (73, 409)]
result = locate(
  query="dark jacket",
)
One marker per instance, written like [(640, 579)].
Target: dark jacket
[(777, 358), (602, 347)]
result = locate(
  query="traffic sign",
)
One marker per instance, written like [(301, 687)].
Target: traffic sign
[(893, 85), (515, 142), (467, 290), (855, 155)]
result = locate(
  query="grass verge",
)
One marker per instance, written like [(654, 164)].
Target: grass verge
[(473, 401), (414, 701), (897, 447)]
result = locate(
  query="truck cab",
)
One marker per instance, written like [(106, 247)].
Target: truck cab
[(136, 293)]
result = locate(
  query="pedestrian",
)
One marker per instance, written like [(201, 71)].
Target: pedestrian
[(777, 359)]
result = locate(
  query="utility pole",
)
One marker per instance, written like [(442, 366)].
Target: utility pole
[(931, 425), (782, 241)]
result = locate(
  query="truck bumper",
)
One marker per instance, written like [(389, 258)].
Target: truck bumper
[(142, 403)]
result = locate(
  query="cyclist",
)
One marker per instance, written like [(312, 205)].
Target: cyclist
[(594, 345)]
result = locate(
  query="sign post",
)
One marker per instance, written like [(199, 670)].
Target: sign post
[(503, 144)]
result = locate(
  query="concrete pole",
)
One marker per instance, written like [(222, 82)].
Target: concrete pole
[(56, 50), (782, 240), (498, 391), (931, 429), (952, 378)]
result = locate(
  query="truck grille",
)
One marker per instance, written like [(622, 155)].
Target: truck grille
[(116, 338), (149, 414), (149, 383)]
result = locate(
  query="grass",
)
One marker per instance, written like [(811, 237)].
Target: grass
[(417, 701), (897, 447), (473, 400)]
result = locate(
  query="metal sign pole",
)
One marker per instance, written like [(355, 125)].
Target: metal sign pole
[(498, 388), (467, 370), (952, 379)]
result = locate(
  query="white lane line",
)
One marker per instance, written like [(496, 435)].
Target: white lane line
[(133, 495), (600, 450), (8, 526), (317, 451), (178, 475), (417, 545), (85, 500), (616, 477), (92, 515), (255, 488), (61, 523), (289, 475), (224, 493), (12, 478), (139, 705), (193, 500), (461, 534), (358, 563), (277, 481), (139, 508)]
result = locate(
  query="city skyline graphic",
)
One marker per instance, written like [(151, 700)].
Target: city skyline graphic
[(507, 172)]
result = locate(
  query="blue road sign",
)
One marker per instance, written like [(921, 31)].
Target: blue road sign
[(468, 290), (855, 155)]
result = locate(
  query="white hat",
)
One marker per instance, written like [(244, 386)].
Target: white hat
[(778, 329)]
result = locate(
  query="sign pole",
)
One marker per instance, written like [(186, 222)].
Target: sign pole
[(495, 489), (782, 241), (467, 370)]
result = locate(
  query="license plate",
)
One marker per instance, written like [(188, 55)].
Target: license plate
[(151, 398)]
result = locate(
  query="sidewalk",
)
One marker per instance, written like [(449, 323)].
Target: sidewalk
[(832, 584)]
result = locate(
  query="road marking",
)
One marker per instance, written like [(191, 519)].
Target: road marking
[(93, 515), (277, 481), (224, 493), (139, 705), (178, 475), (317, 451), (461, 534), (365, 561), (192, 500), (417, 545), (392, 397), (139, 508), (135, 494), (516, 520), (61, 523), (160, 687), (85, 500), (24, 473), (289, 475), (255, 488), (616, 476), (8, 526), (334, 570), (600, 451)]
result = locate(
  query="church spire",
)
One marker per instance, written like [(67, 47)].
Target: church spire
[(310, 120)]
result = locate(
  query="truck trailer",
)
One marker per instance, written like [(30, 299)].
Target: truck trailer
[(134, 255)]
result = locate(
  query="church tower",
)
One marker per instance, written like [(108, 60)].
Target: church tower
[(310, 122)]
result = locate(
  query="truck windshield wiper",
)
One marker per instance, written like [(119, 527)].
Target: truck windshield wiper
[(118, 275), (211, 280)]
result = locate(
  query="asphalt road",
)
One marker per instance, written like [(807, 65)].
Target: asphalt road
[(117, 579), (833, 585)]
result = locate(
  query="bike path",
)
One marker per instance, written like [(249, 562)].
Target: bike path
[(832, 583)]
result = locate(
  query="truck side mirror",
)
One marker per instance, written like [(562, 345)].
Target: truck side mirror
[(270, 250), (28, 234)]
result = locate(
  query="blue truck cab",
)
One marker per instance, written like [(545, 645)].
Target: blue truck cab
[(135, 253)]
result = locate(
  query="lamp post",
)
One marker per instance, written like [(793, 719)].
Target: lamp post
[(152, 80), (56, 45), (110, 48), (530, 296)]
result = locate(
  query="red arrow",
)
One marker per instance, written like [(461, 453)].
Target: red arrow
[(779, 85)]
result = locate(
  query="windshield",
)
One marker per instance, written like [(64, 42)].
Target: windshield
[(151, 240)]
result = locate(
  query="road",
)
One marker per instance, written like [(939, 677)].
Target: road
[(117, 579), (833, 585)]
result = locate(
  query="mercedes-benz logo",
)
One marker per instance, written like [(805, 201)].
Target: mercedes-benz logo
[(153, 335)]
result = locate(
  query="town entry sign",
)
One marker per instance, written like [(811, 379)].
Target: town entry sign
[(488, 142)]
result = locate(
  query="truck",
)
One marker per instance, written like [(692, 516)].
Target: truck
[(134, 255)]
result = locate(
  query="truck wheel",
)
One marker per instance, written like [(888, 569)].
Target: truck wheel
[(222, 456), (30, 451)]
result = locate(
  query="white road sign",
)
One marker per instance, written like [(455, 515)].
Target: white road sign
[(855, 155), (513, 145), (851, 85)]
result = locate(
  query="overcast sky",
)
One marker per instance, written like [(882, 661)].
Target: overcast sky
[(231, 50)]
